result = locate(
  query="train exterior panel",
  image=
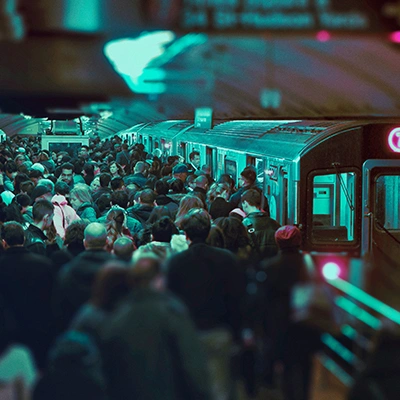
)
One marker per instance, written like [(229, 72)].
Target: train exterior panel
[(339, 181)]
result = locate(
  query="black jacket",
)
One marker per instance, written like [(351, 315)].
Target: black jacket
[(210, 283), (151, 350), (74, 284), (261, 230)]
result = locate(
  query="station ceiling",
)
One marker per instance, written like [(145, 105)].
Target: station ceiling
[(238, 77)]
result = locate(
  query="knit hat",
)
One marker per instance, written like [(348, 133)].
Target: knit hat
[(238, 213), (39, 190), (180, 168), (288, 236)]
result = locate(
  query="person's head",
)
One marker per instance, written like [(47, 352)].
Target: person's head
[(110, 286), (161, 187), (194, 158), (120, 198), (79, 195), (288, 237), (67, 173), (117, 183), (62, 188), (11, 169), (180, 171), (235, 233), (23, 200), (27, 187), (12, 234), (201, 182), (41, 192), (43, 213), (216, 237), (146, 271), (123, 248), (115, 222), (20, 159), (74, 234), (147, 197), (163, 229), (95, 236), (104, 202), (157, 213), (18, 180), (116, 169), (196, 224), (141, 167), (177, 186), (84, 152), (105, 179), (247, 176), (188, 202), (251, 201), (95, 184)]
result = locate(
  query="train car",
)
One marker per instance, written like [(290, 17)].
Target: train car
[(339, 181)]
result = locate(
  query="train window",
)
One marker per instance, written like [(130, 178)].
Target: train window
[(387, 200), (333, 207), (259, 165), (182, 150), (231, 169)]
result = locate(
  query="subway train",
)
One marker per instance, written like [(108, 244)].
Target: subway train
[(338, 180)]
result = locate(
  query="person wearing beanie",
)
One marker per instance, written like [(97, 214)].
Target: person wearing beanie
[(287, 343)]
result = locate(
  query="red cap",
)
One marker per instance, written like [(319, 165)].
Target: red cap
[(288, 236)]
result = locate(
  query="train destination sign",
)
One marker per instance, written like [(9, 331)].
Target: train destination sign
[(241, 16)]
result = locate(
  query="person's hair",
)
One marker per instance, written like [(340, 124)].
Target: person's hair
[(141, 167), (145, 269), (193, 154), (249, 173), (147, 196), (105, 179), (117, 183), (95, 236), (18, 180), (82, 193), (61, 188), (35, 173), (196, 224), (47, 183), (236, 236), (161, 187), (41, 208), (10, 167), (123, 248), (114, 223), (253, 197), (27, 187), (104, 202), (68, 166), (187, 202), (150, 182), (120, 169), (157, 213), (110, 286), (75, 232), (13, 233), (163, 229), (22, 199), (216, 190), (120, 198), (43, 156), (216, 237), (176, 185)]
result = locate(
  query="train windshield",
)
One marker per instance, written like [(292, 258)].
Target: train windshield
[(387, 201), (333, 207)]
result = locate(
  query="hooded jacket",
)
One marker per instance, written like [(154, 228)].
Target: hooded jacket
[(64, 214)]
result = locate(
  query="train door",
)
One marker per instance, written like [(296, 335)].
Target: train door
[(211, 160), (381, 228)]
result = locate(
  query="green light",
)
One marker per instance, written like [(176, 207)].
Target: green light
[(358, 312), (339, 349), (366, 299), (350, 332), (342, 375)]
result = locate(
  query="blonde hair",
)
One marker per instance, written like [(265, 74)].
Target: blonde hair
[(82, 193)]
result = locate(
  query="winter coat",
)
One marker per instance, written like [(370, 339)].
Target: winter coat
[(153, 343), (87, 211)]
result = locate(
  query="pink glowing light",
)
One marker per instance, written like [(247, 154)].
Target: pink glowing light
[(323, 36)]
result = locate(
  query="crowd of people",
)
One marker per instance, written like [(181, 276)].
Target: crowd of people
[(134, 275)]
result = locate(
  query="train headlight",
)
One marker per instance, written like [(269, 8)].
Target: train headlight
[(331, 270)]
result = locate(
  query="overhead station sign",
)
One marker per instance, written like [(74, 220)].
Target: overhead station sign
[(283, 16)]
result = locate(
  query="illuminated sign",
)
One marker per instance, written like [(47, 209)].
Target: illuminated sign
[(394, 140), (285, 15)]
